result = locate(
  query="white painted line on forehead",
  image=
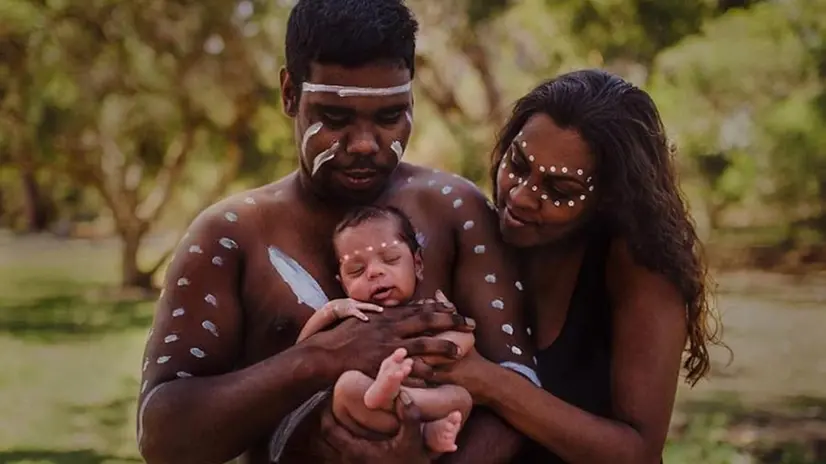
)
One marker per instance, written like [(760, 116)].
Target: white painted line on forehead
[(347, 91)]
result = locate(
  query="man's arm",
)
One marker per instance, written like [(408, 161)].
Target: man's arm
[(193, 407), (486, 287)]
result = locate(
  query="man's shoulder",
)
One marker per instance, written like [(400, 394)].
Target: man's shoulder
[(243, 208), (441, 189)]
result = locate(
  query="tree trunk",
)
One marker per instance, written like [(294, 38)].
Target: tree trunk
[(34, 208), (131, 274)]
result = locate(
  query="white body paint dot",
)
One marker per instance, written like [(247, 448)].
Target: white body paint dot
[(196, 249), (208, 325), (183, 282), (579, 171), (217, 260), (249, 200), (564, 169), (231, 217), (446, 189), (497, 304), (228, 243), (183, 375), (490, 278), (511, 176), (210, 298), (145, 364), (528, 330), (144, 385), (197, 352), (582, 197), (170, 338), (479, 249), (571, 203), (164, 359), (544, 196), (591, 188), (507, 328), (457, 203), (409, 180), (468, 225), (518, 285), (516, 350), (178, 312), (431, 183)]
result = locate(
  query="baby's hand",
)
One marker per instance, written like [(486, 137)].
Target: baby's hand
[(348, 307)]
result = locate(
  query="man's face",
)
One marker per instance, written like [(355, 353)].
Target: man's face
[(352, 126)]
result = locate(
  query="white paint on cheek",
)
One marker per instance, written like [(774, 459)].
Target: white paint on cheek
[(164, 359), (170, 338), (446, 189), (490, 278), (497, 304), (183, 282), (212, 328), (196, 249), (218, 261), (507, 328), (183, 375), (479, 249), (325, 156), (231, 217), (311, 131), (210, 298), (228, 243), (468, 225), (303, 285), (457, 203), (178, 312), (197, 352), (397, 148)]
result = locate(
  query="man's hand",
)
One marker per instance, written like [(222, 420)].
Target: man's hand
[(407, 447), (362, 346)]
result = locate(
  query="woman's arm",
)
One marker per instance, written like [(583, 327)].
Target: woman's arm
[(649, 333)]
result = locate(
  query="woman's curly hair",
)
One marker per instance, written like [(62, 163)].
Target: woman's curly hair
[(641, 200)]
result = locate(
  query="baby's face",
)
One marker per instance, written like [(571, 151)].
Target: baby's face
[(375, 264)]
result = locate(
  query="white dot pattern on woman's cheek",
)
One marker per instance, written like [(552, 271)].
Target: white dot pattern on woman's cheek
[(582, 197), (556, 203), (457, 203), (228, 243), (479, 249), (497, 304), (183, 282), (230, 216), (196, 249), (183, 375), (564, 169), (507, 328), (490, 278), (571, 203), (210, 298), (446, 189), (591, 188), (579, 171), (511, 176), (197, 352), (178, 312), (164, 359), (468, 225), (212, 328), (516, 350), (171, 338), (518, 285), (218, 261)]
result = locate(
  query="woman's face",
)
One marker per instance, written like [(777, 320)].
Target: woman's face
[(546, 184)]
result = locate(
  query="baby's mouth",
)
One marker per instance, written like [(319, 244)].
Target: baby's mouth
[(382, 293)]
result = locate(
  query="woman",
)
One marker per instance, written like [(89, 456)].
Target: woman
[(585, 187)]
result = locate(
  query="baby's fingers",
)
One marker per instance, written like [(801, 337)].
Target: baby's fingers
[(369, 307), (352, 311)]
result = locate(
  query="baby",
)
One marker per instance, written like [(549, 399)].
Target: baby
[(380, 263)]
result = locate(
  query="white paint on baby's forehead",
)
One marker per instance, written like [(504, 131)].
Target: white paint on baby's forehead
[(351, 91)]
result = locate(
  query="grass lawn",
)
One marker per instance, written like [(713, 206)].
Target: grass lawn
[(71, 354)]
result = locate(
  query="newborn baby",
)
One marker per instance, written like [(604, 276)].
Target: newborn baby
[(380, 263)]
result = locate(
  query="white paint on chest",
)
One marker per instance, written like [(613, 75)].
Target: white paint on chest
[(303, 285)]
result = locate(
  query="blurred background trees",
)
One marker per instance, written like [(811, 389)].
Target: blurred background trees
[(128, 118)]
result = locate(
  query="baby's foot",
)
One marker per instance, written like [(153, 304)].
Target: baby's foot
[(394, 369), (440, 436)]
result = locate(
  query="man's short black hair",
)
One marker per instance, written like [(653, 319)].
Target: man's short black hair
[(349, 33)]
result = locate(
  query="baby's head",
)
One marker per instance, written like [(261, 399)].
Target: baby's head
[(379, 258)]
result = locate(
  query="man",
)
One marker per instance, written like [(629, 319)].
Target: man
[(221, 369)]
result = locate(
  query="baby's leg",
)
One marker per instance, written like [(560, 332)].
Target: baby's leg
[(360, 402), (445, 408)]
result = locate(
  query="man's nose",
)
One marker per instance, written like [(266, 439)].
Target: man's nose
[(363, 141)]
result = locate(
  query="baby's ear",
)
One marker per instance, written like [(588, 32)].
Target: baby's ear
[(418, 264)]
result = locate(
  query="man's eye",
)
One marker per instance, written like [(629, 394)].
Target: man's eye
[(334, 119), (389, 117)]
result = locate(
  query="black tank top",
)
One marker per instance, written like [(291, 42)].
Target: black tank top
[(576, 368)]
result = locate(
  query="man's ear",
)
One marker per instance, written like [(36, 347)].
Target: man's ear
[(418, 265), (289, 93)]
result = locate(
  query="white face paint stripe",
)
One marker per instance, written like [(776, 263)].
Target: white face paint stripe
[(398, 150), (325, 156), (311, 131), (347, 91)]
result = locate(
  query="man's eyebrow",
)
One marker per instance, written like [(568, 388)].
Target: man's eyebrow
[(394, 108), (335, 109)]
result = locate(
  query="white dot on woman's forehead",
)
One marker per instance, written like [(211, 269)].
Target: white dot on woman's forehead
[(564, 169), (580, 171)]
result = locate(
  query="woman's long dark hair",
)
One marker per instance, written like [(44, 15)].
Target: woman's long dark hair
[(636, 177)]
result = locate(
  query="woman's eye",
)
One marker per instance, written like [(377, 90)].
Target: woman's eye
[(516, 162)]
